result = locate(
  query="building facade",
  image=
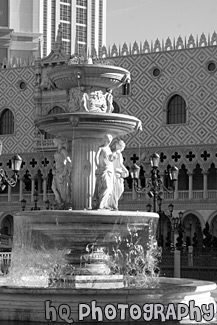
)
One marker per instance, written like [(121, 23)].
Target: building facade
[(173, 91), (28, 27), (20, 28)]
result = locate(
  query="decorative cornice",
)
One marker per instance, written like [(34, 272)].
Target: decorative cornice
[(57, 54)]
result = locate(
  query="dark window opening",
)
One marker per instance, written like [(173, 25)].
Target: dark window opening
[(126, 89), (176, 110), (7, 122)]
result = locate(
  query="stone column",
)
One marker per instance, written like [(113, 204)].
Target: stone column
[(84, 168), (21, 189), (134, 194), (44, 189), (205, 193), (32, 189), (190, 187)]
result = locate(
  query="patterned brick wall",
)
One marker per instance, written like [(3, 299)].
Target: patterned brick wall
[(21, 103), (183, 72)]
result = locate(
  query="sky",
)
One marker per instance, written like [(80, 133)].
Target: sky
[(140, 20)]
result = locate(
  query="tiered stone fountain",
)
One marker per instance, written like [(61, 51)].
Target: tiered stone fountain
[(45, 239)]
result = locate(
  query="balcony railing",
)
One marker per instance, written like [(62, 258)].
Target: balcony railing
[(197, 195), (127, 196), (182, 195), (212, 194)]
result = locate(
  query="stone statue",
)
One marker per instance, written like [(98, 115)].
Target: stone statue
[(93, 101), (109, 101), (89, 99), (104, 174), (120, 172), (61, 172), (75, 99)]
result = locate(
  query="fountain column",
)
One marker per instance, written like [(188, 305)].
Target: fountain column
[(83, 183), (89, 117)]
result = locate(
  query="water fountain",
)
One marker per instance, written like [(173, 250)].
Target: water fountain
[(62, 270)]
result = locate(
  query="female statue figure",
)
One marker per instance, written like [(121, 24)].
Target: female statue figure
[(104, 173), (61, 171), (120, 172), (109, 101)]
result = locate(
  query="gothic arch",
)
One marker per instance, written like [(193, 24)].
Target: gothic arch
[(7, 121), (193, 229), (6, 221), (166, 103), (212, 217), (213, 225), (197, 214)]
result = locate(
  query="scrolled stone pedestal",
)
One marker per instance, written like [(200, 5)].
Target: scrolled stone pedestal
[(86, 131)]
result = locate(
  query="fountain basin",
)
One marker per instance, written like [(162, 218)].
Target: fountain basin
[(88, 125), (46, 235), (88, 75), (40, 305), (39, 232)]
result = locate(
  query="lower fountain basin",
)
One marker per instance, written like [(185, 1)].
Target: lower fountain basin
[(40, 237), (50, 245), (93, 306)]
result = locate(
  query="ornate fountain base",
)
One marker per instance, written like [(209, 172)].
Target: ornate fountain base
[(39, 241), (91, 306)]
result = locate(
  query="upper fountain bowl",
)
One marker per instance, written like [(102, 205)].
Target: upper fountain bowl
[(88, 75)]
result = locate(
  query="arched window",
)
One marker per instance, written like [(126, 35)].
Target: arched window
[(197, 178), (193, 231), (176, 110), (7, 225), (183, 182), (7, 122), (212, 178), (54, 110)]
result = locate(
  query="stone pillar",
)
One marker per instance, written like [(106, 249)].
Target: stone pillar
[(21, 189), (205, 193), (134, 194), (190, 187), (44, 189), (84, 168), (177, 257), (32, 189), (177, 264)]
